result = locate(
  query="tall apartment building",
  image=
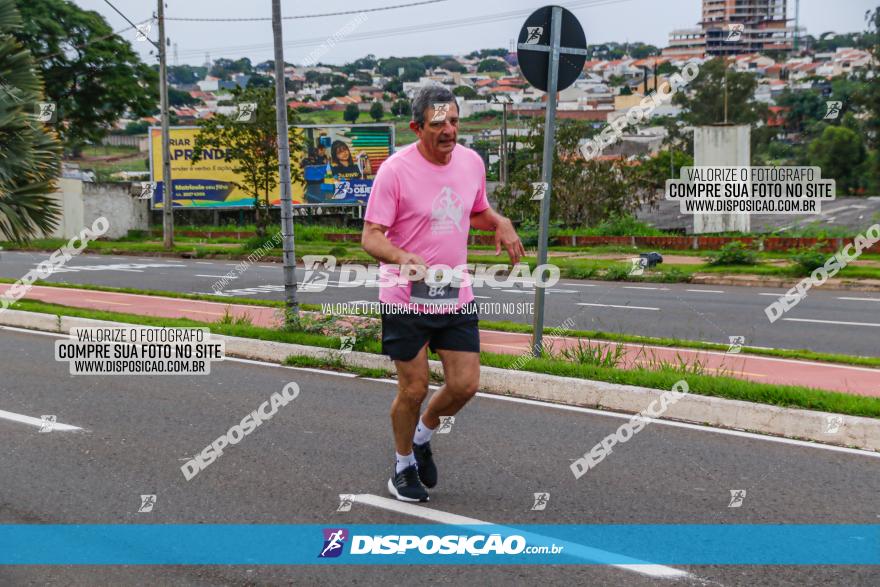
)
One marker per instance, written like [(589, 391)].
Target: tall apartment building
[(734, 27)]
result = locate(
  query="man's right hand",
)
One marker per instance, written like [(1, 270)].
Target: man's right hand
[(412, 266)]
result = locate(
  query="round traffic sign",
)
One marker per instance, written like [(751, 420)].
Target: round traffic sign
[(535, 63)]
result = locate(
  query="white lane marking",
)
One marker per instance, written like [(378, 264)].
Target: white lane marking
[(521, 291), (380, 380), (217, 276), (687, 425), (309, 369), (203, 263), (482, 297), (833, 322), (705, 290), (640, 287), (775, 295), (579, 284), (38, 422), (611, 414), (623, 307), (569, 548), (860, 299)]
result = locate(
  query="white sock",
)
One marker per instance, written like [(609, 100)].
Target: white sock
[(404, 461), (423, 433)]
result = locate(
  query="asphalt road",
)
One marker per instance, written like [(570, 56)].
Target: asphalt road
[(335, 438), (827, 321), (853, 213)]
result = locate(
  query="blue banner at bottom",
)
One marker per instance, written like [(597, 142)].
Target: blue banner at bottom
[(170, 544)]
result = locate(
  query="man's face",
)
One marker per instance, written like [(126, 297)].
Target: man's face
[(439, 133)]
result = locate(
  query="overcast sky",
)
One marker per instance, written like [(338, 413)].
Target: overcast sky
[(481, 24)]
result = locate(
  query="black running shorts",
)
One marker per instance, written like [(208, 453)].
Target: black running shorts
[(404, 335)]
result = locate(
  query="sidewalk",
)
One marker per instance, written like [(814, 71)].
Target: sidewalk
[(844, 378)]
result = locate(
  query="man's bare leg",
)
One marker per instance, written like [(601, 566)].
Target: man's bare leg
[(461, 370), (412, 387)]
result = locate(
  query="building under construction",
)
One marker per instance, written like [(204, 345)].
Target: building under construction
[(734, 27)]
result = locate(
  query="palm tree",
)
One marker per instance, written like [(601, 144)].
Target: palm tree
[(29, 153)]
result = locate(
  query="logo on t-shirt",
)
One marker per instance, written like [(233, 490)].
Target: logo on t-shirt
[(446, 212)]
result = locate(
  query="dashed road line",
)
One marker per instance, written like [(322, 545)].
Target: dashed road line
[(621, 307)]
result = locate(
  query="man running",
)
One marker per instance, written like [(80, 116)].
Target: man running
[(424, 200)]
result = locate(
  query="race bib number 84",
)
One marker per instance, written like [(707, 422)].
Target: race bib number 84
[(443, 295)]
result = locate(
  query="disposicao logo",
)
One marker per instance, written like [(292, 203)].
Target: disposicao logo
[(334, 541)]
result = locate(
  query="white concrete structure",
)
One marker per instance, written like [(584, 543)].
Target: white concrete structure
[(722, 146)]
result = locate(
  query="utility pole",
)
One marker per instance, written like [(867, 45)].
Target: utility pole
[(504, 177), (168, 190), (289, 256)]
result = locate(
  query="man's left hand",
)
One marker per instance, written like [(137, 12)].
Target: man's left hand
[(505, 236)]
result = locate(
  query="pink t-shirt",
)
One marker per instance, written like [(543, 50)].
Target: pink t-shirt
[(427, 209)]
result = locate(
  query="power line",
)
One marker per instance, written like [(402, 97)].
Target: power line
[(128, 21), (304, 16), (96, 39), (471, 21)]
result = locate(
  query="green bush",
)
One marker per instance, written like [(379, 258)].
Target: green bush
[(580, 272), (338, 251), (734, 253), (271, 240), (616, 273), (625, 226), (808, 260)]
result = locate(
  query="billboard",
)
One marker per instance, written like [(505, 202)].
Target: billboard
[(338, 164)]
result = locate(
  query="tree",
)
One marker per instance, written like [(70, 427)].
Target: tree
[(335, 92), (252, 147), (30, 156), (868, 97), (401, 108), (262, 81), (487, 65), (584, 192), (395, 86), (351, 113), (839, 152), (453, 65), (93, 75), (804, 107), (178, 98), (377, 111), (185, 74), (466, 92), (703, 99)]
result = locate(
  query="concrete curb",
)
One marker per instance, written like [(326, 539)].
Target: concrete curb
[(853, 431)]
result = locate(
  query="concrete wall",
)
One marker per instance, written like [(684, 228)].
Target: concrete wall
[(83, 202), (722, 146), (69, 197), (115, 202)]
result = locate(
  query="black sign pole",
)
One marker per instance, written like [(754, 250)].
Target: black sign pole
[(540, 64), (547, 171)]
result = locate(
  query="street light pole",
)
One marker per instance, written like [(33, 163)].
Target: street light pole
[(289, 255)]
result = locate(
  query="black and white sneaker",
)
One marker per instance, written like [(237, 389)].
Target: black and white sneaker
[(406, 486), (425, 462)]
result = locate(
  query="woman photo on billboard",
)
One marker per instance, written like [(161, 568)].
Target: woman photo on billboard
[(344, 167)]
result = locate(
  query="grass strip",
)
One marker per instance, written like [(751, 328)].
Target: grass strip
[(507, 326), (663, 378)]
